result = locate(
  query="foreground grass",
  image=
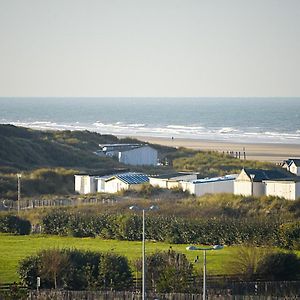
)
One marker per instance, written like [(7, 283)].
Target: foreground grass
[(15, 248)]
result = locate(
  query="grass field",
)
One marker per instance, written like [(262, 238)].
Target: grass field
[(13, 248)]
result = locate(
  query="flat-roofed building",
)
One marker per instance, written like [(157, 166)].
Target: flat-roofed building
[(85, 184), (199, 187), (172, 180), (285, 188), (130, 154)]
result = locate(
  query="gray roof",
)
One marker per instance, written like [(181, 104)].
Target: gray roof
[(172, 175), (293, 179), (296, 161), (260, 175)]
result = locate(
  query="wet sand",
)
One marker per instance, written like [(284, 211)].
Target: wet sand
[(264, 152)]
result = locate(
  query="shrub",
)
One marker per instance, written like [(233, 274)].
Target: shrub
[(14, 224), (168, 271), (76, 270), (290, 235), (279, 266)]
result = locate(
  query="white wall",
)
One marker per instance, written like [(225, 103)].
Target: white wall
[(85, 184), (139, 156), (215, 187), (294, 169), (247, 188), (297, 190), (285, 189), (172, 182), (115, 185)]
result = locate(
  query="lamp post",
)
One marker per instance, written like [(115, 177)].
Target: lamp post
[(204, 249), (136, 208), (19, 191)]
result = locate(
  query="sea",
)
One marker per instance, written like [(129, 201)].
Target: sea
[(252, 120)]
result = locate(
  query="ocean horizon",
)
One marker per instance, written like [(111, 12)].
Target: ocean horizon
[(247, 120)]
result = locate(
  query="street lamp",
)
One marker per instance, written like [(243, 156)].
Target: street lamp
[(136, 208), (19, 191), (204, 249)]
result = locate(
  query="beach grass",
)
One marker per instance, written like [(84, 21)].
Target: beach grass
[(14, 248)]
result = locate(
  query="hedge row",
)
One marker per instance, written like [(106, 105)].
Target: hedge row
[(14, 224), (164, 228)]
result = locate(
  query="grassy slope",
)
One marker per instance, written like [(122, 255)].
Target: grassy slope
[(14, 248), (25, 149), (212, 163)]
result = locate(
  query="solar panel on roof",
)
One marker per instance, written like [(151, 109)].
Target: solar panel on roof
[(133, 178)]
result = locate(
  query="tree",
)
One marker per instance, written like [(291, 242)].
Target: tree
[(54, 262)]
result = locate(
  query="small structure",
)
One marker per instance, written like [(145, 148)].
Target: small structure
[(89, 183), (294, 166), (199, 187), (130, 154), (251, 182), (169, 181), (285, 188), (125, 181), (85, 184)]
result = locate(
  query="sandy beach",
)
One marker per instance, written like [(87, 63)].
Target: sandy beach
[(264, 152)]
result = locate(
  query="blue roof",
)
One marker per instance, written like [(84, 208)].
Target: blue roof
[(133, 178), (215, 179)]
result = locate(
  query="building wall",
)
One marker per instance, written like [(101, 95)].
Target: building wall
[(162, 183), (101, 184), (85, 184), (173, 182), (115, 185), (294, 169), (247, 188), (297, 190), (285, 189), (200, 189), (139, 156)]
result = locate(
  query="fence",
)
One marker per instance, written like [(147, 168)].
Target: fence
[(33, 203), (229, 291)]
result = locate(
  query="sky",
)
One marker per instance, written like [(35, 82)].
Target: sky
[(153, 48)]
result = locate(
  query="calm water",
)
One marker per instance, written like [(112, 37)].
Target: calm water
[(231, 119)]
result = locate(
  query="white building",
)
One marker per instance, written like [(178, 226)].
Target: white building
[(251, 182), (125, 181), (169, 181), (85, 184), (294, 166), (288, 188), (130, 154), (199, 187)]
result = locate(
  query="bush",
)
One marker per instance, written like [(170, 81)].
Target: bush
[(279, 266), (14, 224), (290, 235), (168, 271), (76, 270)]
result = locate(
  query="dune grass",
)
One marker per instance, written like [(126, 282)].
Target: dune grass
[(15, 248)]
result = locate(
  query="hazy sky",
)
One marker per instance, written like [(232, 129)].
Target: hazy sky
[(150, 48)]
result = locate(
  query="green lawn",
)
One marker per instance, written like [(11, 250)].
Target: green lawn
[(13, 248)]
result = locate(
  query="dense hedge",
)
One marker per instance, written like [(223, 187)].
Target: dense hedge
[(163, 228), (76, 270), (14, 224)]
